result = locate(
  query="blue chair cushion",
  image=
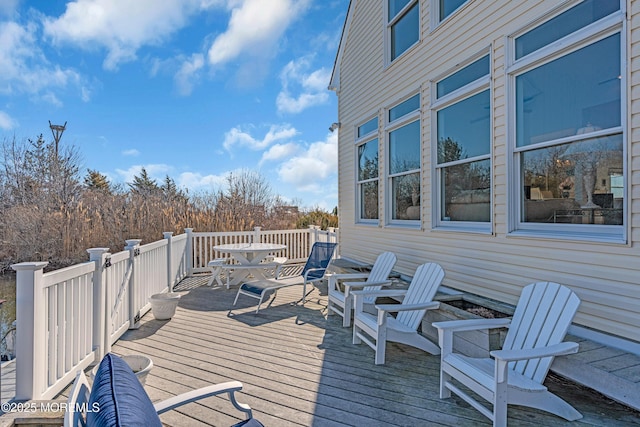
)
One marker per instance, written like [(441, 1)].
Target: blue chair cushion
[(252, 422), (120, 398)]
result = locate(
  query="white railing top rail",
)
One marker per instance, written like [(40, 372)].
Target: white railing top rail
[(56, 277)]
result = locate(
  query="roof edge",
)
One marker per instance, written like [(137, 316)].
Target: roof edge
[(334, 82)]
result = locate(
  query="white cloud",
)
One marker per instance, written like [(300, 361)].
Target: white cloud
[(254, 28), (311, 87), (308, 170), (8, 7), (120, 26), (131, 152), (25, 69), (51, 98), (238, 137), (6, 122), (279, 151), (195, 181), (155, 171), (188, 74)]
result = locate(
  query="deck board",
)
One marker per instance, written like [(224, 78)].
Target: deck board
[(299, 368)]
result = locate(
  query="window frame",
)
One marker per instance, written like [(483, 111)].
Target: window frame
[(390, 21), (361, 140), (391, 126), (579, 39), (473, 88)]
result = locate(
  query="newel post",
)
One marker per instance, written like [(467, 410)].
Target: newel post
[(169, 236), (31, 347), (256, 234), (313, 235), (189, 249), (133, 246), (101, 323)]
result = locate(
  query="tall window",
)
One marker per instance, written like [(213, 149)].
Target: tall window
[(569, 140), (463, 128), (367, 179), (404, 160), (403, 25)]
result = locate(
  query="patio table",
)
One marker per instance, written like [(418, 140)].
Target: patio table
[(249, 257)]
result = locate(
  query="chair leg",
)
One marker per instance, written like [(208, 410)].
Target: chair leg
[(545, 401), (330, 311), (260, 302), (346, 315), (381, 345), (356, 338), (445, 393), (237, 295), (500, 404)]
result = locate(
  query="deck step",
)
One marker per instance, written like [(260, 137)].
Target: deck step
[(612, 372)]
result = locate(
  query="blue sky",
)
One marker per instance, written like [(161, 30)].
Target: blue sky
[(193, 89)]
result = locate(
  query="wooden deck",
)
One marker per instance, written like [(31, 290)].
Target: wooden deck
[(299, 368)]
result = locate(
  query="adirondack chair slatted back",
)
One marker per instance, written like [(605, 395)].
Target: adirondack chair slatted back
[(423, 288), (380, 271), (320, 256), (542, 317)]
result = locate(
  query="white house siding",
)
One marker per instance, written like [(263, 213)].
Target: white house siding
[(496, 265)]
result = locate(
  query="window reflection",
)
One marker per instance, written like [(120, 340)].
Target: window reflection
[(565, 96), (368, 179), (369, 200), (577, 183), (406, 196), (466, 192), (405, 32)]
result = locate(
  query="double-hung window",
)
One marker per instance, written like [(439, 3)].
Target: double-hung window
[(404, 154), (567, 132), (367, 179), (403, 26), (462, 115)]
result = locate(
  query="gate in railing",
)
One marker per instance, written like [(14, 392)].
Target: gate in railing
[(69, 318)]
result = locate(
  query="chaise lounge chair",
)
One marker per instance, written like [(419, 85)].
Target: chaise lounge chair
[(313, 271)]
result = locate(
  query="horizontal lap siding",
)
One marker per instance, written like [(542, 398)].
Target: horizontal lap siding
[(606, 277)]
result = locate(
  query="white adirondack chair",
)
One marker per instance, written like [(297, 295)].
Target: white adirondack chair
[(341, 302), (514, 374), (375, 331)]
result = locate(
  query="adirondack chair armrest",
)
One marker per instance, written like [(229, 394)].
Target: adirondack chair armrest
[(334, 278), (363, 284), (503, 357), (394, 308), (381, 293), (471, 325), (347, 276), (229, 387), (348, 286), (559, 349)]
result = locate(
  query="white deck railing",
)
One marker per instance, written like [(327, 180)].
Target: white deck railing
[(68, 319)]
